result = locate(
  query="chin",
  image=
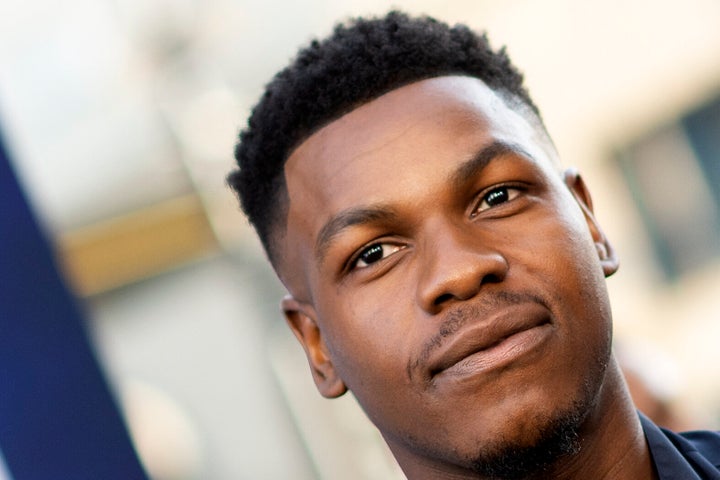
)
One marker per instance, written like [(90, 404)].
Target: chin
[(547, 441), (530, 442)]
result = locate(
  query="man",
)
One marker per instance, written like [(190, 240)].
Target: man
[(441, 265)]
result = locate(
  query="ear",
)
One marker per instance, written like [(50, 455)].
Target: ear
[(605, 251), (301, 319)]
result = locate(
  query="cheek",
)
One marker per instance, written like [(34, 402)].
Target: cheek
[(371, 354), (368, 338), (576, 282), (561, 242), (547, 246), (559, 256)]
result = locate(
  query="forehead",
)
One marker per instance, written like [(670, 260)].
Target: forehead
[(390, 144), (428, 104)]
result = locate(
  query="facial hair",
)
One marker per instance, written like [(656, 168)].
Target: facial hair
[(557, 438)]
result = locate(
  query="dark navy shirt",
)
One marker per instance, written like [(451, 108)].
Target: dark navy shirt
[(683, 456)]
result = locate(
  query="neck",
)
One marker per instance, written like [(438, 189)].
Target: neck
[(613, 445)]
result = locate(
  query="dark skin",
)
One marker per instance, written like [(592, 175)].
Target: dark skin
[(442, 268)]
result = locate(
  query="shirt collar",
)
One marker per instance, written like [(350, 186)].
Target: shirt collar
[(670, 463)]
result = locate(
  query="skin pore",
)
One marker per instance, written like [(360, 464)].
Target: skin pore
[(443, 270)]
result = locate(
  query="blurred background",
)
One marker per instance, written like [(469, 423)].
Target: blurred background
[(121, 116)]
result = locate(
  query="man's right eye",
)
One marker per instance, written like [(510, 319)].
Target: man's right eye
[(374, 253)]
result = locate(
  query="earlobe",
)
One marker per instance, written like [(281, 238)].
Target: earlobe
[(301, 319), (605, 251)]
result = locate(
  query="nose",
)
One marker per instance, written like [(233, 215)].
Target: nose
[(457, 262)]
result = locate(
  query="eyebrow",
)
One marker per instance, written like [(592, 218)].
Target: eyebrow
[(350, 218), (482, 158), (382, 213)]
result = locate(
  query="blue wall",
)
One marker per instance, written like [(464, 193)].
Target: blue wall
[(58, 419)]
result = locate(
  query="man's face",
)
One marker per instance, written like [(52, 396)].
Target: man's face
[(443, 271)]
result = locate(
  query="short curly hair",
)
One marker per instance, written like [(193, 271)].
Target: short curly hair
[(359, 62)]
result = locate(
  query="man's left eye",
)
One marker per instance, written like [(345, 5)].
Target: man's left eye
[(497, 196)]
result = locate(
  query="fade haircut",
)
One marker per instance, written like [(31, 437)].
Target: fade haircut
[(359, 62)]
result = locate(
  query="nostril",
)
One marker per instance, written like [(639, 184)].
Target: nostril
[(442, 299), (491, 278)]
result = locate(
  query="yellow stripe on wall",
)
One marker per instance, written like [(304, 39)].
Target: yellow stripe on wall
[(137, 245)]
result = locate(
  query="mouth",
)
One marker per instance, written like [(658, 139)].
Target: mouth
[(492, 345)]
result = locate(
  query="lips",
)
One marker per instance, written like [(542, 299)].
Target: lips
[(491, 343)]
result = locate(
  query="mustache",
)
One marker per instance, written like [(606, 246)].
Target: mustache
[(466, 313)]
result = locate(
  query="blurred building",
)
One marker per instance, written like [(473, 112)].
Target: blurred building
[(122, 117)]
